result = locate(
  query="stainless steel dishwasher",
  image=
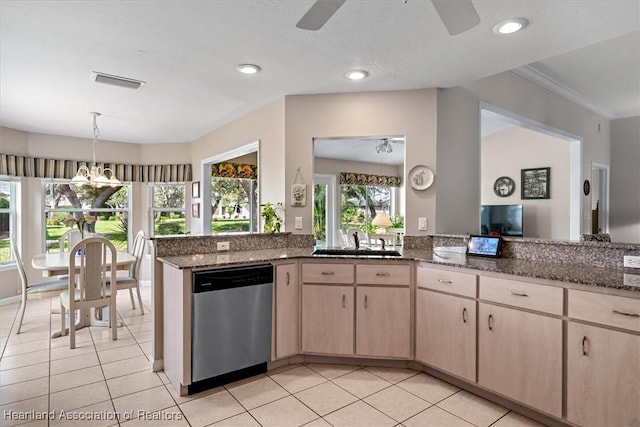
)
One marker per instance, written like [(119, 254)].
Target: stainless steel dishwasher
[(231, 324)]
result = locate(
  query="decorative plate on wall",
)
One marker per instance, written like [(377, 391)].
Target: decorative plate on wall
[(504, 186), (421, 177)]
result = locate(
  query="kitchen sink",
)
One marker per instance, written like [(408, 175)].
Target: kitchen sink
[(355, 252)]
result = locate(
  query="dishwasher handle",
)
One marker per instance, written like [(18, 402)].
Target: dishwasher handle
[(233, 277)]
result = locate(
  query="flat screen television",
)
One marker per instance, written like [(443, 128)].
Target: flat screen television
[(503, 220)]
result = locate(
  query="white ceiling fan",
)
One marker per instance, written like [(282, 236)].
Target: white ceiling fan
[(457, 16)]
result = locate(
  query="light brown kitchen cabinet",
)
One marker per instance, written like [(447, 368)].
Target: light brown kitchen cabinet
[(383, 320), (327, 319), (287, 309), (603, 365), (446, 320), (446, 332), (520, 356)]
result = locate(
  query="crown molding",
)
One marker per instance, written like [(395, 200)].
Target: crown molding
[(541, 79)]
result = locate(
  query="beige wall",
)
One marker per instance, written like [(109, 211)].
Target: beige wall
[(505, 154), (265, 125), (409, 113), (624, 206), (458, 198)]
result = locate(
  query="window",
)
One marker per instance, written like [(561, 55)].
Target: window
[(107, 209), (167, 208), (234, 205), (7, 219), (360, 204)]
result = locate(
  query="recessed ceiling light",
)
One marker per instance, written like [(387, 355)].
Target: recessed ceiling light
[(248, 68), (356, 74), (510, 26)]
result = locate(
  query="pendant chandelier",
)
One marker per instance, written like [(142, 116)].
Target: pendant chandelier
[(96, 176)]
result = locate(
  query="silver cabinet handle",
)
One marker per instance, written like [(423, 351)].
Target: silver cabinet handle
[(327, 273), (585, 346), (288, 278), (365, 301), (344, 300), (445, 281), (518, 294), (383, 274), (490, 321), (464, 315), (626, 314)]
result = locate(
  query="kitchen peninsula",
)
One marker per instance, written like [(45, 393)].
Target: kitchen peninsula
[(532, 334)]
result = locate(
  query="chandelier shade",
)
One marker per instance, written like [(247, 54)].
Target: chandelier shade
[(96, 176)]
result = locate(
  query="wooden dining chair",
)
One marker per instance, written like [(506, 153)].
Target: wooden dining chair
[(132, 280), (69, 239), (94, 261), (44, 288)]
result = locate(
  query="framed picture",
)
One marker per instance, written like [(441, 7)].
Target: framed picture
[(195, 189), (195, 210), (298, 195), (536, 183), (504, 186)]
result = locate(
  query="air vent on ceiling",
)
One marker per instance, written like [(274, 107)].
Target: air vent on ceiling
[(117, 80)]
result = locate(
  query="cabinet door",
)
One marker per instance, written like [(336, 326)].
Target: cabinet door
[(603, 376), (287, 308), (383, 322), (327, 319), (520, 356), (446, 333)]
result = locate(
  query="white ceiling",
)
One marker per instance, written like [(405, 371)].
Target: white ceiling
[(186, 51)]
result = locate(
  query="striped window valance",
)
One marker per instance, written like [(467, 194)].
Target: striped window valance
[(234, 170), (35, 167), (356, 178)]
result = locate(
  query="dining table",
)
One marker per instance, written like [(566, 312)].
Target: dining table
[(57, 263)]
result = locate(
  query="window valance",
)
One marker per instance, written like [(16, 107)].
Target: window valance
[(35, 167), (234, 170), (356, 178)]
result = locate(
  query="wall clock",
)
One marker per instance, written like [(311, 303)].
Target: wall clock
[(420, 177), (504, 186)]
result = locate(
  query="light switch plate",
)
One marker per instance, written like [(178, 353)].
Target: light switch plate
[(631, 279), (422, 224), (222, 246), (298, 224)]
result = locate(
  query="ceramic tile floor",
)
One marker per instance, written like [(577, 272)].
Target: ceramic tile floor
[(87, 386)]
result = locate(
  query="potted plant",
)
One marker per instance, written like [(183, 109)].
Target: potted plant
[(271, 217)]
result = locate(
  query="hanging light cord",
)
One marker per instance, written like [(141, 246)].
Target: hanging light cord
[(96, 134)]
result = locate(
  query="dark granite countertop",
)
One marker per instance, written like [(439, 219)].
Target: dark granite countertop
[(570, 274)]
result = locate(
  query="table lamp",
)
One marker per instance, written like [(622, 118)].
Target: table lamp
[(382, 221)]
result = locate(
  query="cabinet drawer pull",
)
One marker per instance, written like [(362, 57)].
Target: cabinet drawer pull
[(445, 281), (327, 273), (288, 278), (585, 345), (365, 301), (626, 314), (464, 315), (518, 294), (344, 300), (383, 274), (490, 321)]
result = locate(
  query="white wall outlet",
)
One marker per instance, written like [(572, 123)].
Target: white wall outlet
[(631, 279), (422, 224), (632, 261), (222, 246), (298, 223)]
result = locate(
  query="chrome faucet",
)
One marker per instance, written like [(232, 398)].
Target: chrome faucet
[(356, 240)]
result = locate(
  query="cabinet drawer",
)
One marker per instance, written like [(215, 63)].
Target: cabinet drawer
[(448, 281), (547, 299), (611, 310), (381, 274), (327, 273)]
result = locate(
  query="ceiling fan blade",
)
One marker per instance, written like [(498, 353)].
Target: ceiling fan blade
[(457, 15), (319, 14)]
